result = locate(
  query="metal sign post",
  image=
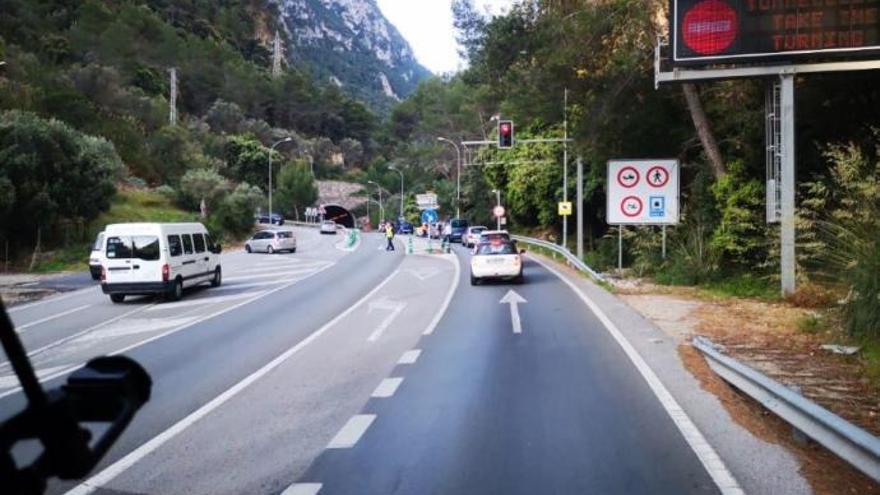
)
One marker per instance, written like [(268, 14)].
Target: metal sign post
[(787, 223)]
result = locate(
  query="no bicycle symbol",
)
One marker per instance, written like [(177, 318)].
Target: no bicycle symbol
[(631, 206), (628, 177), (658, 176)]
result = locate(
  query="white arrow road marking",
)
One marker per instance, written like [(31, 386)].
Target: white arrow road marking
[(303, 489), (513, 299), (424, 273), (386, 304), (22, 328)]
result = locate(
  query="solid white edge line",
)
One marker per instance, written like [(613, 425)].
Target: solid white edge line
[(303, 489), (175, 330), (349, 435), (110, 472), (410, 357), (22, 328), (451, 292), (62, 297), (387, 388), (710, 459)]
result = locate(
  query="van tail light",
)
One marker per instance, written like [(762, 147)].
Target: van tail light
[(103, 274), (166, 272)]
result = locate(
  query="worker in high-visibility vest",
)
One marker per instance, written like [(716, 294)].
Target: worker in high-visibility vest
[(389, 234)]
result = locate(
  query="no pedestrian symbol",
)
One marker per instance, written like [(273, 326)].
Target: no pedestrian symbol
[(631, 206), (658, 176), (628, 177)]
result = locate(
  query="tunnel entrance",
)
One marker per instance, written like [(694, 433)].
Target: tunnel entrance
[(339, 215)]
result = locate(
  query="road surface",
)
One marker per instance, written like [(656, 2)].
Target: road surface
[(338, 371)]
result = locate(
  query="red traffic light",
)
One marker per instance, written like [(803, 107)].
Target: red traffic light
[(505, 134)]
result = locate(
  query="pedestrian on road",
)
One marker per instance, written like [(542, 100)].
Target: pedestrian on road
[(389, 234)]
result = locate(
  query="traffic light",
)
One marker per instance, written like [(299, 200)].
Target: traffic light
[(505, 134)]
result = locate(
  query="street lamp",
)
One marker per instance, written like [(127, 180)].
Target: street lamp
[(497, 203), (401, 188), (271, 150), (458, 178), (381, 208)]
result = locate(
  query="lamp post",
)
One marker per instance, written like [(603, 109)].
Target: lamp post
[(401, 188), (458, 176), (497, 203), (271, 150), (381, 208)]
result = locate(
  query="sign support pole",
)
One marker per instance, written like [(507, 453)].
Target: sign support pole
[(620, 248), (580, 208), (663, 229), (787, 224)]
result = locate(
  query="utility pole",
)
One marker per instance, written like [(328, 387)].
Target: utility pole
[(458, 176), (497, 203), (276, 55), (381, 207), (580, 208), (565, 166), (172, 100)]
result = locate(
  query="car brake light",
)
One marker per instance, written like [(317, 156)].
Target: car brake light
[(166, 272), (103, 274)]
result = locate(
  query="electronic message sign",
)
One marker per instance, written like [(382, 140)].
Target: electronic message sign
[(729, 31)]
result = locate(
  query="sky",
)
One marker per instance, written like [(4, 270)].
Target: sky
[(427, 25)]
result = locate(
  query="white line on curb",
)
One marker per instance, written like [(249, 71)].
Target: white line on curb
[(353, 430), (118, 467), (451, 292), (708, 457)]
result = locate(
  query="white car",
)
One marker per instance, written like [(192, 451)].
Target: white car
[(158, 258), (271, 241), (496, 260), (471, 236), (328, 227), (96, 257)]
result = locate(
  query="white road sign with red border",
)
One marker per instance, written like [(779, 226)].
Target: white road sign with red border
[(643, 192)]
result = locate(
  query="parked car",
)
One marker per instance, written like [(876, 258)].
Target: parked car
[(158, 258), (277, 219), (456, 229), (496, 260), (271, 241), (405, 228), (96, 256), (472, 236), (328, 227)]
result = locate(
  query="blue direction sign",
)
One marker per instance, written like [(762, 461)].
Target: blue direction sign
[(429, 216)]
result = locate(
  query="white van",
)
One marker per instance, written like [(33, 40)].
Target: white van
[(158, 258)]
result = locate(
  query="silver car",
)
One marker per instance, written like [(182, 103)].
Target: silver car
[(271, 241), (328, 227)]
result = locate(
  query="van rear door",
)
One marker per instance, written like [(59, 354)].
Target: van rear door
[(133, 259)]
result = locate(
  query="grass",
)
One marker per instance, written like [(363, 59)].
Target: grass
[(126, 206), (743, 286)]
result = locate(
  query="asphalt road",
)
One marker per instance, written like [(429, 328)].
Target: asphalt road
[(367, 372)]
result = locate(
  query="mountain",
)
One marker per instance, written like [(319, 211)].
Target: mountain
[(351, 44)]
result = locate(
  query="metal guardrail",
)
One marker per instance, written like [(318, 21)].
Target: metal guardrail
[(568, 255), (849, 442)]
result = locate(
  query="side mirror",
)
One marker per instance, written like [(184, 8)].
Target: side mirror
[(217, 248)]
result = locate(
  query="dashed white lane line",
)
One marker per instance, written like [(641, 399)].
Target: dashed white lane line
[(271, 275), (48, 300), (353, 430), (387, 388), (24, 327), (197, 301), (112, 471), (710, 459), (410, 357), (303, 489)]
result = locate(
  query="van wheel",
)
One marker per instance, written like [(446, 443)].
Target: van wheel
[(293, 250), (474, 280), (270, 250), (117, 298), (247, 248), (176, 291), (218, 278)]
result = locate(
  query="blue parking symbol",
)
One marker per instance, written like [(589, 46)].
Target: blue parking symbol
[(657, 206)]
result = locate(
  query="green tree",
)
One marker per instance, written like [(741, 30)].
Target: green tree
[(203, 184), (247, 160), (234, 216), (296, 188)]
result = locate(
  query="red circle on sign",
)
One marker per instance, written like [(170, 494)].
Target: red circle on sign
[(628, 181), (655, 174), (629, 212), (710, 27), (498, 211)]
